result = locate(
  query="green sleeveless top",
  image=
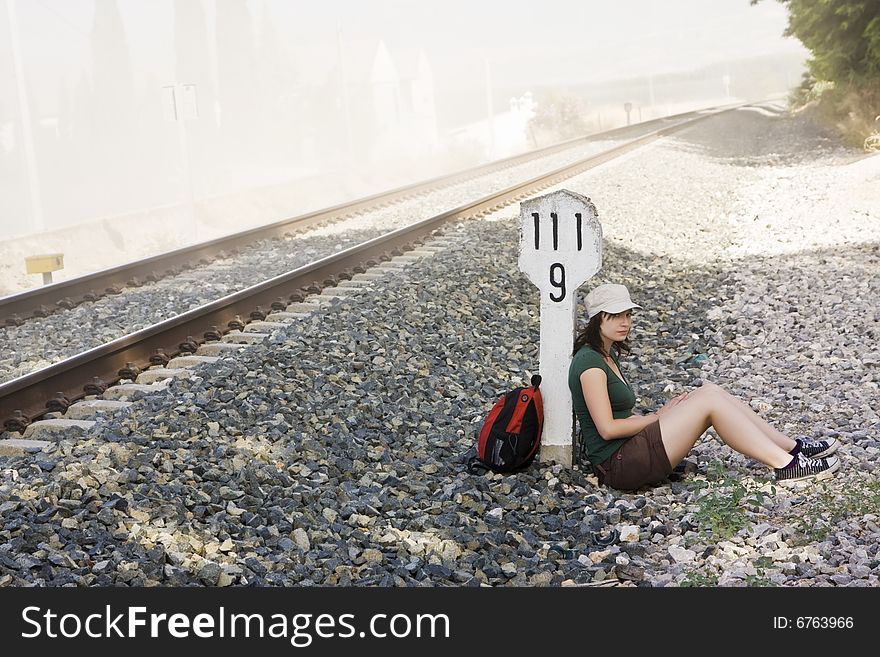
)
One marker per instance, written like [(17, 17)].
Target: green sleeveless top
[(620, 395)]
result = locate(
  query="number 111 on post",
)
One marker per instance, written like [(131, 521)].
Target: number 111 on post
[(560, 243)]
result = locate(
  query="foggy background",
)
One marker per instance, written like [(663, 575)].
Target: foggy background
[(132, 126)]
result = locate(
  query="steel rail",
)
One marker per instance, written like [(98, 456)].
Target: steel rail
[(37, 302), (28, 394)]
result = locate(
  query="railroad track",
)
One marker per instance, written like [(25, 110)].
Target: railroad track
[(54, 388), (39, 302)]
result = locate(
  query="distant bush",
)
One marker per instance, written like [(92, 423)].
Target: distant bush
[(559, 117), (844, 70), (852, 110)]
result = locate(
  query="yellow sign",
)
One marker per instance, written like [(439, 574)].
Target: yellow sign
[(41, 264)]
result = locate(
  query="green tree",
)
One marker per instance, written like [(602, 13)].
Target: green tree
[(843, 36)]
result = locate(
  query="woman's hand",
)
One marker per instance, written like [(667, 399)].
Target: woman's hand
[(672, 403)]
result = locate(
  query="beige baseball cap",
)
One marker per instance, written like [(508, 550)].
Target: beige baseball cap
[(609, 298)]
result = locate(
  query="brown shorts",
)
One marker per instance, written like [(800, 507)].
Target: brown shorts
[(640, 461)]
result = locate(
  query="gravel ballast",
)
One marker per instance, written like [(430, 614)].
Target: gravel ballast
[(333, 453), (40, 342)]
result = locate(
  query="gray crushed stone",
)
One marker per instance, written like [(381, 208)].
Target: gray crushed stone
[(41, 342), (333, 453)]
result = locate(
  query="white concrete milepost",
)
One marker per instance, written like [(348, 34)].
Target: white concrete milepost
[(560, 249)]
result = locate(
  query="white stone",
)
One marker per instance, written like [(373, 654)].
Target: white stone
[(628, 533), (301, 538), (598, 555), (681, 555)]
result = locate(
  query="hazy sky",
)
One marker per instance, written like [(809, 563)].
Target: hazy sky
[(563, 40), (553, 41), (301, 103), (526, 42)]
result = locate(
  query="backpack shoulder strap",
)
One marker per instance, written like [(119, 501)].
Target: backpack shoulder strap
[(476, 466)]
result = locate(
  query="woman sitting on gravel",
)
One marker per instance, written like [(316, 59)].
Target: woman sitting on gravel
[(629, 451)]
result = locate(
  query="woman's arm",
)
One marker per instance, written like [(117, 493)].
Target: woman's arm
[(594, 386)]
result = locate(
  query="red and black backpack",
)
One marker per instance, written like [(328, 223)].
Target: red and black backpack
[(511, 434)]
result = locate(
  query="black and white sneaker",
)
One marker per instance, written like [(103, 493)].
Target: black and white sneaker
[(802, 467), (815, 448)]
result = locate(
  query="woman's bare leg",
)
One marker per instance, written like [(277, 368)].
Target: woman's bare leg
[(684, 423), (775, 435)]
